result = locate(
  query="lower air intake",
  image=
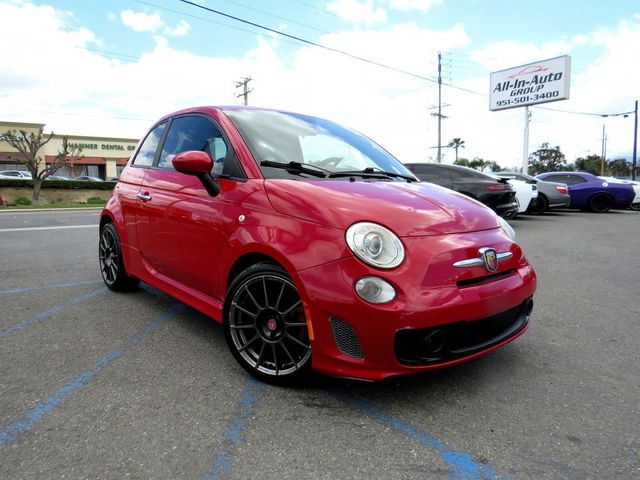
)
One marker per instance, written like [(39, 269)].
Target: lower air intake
[(346, 338)]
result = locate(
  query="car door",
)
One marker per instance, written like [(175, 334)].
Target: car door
[(178, 229), (128, 187)]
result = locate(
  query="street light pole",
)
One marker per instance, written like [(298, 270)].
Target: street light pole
[(635, 143)]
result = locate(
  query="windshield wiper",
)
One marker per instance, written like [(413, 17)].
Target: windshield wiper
[(371, 172), (297, 167)]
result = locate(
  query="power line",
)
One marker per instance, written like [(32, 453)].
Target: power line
[(240, 4), (308, 42)]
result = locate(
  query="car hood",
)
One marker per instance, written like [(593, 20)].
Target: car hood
[(409, 209)]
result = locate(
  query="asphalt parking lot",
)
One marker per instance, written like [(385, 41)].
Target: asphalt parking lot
[(95, 384)]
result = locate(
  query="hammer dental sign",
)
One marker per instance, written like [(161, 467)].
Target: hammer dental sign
[(539, 82)]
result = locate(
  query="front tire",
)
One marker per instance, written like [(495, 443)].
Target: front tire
[(265, 325), (111, 261), (600, 203)]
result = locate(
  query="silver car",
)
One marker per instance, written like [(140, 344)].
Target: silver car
[(15, 175), (550, 194)]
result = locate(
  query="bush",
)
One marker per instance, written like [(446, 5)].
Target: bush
[(96, 201), (22, 201), (66, 184)]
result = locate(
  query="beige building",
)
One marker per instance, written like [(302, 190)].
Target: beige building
[(102, 157)]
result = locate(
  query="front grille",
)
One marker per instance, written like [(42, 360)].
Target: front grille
[(427, 346), (346, 338), (487, 278)]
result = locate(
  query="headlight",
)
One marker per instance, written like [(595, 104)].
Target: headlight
[(375, 245), (508, 229)]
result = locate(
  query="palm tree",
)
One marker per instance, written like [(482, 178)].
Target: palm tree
[(456, 143)]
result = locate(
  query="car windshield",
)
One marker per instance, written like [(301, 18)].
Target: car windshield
[(289, 145)]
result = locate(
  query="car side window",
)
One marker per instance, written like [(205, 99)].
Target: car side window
[(430, 173), (573, 179), (147, 151), (194, 132)]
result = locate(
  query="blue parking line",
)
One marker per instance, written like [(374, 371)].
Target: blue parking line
[(461, 465), (48, 313), (33, 416), (222, 463), (46, 287)]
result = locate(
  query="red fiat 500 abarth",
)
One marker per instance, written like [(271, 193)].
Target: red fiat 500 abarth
[(313, 246)]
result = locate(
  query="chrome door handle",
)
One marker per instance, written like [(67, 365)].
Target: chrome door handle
[(144, 197)]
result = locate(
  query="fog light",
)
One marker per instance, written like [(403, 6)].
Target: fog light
[(375, 290)]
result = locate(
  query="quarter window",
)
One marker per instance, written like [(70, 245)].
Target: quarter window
[(147, 151)]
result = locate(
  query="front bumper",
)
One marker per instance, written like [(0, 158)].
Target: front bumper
[(356, 339)]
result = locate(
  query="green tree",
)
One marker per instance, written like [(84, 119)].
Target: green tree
[(456, 143), (619, 168), (590, 163), (547, 159), (28, 145), (464, 162)]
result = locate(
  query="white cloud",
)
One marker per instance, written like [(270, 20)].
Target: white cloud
[(100, 98), (359, 11), (420, 5), (180, 30), (140, 21)]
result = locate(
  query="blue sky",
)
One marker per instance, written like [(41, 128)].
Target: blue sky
[(127, 62)]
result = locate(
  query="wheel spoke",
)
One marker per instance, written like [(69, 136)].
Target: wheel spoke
[(284, 347), (279, 297), (114, 271), (260, 355), (245, 311), (248, 344), (243, 327), (295, 324), (291, 308), (253, 299), (264, 287), (275, 358), (295, 340)]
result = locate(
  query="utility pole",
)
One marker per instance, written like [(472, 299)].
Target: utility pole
[(439, 107), (245, 91), (439, 114), (604, 150), (635, 143)]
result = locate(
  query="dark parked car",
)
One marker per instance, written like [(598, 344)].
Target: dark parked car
[(494, 193), (313, 246), (589, 192), (550, 194)]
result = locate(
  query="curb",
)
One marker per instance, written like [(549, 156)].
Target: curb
[(23, 210)]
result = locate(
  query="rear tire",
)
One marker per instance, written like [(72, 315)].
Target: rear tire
[(635, 207), (111, 262), (541, 205), (265, 325), (600, 203)]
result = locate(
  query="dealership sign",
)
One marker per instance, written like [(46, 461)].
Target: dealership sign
[(539, 82)]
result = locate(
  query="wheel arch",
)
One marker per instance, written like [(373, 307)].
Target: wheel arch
[(248, 259)]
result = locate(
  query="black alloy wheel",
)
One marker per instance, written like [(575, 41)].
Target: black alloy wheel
[(265, 325), (600, 203), (541, 205), (111, 262), (635, 207)]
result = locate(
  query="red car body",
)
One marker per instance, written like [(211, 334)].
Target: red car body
[(191, 245)]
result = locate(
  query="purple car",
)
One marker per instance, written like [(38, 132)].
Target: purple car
[(589, 192)]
